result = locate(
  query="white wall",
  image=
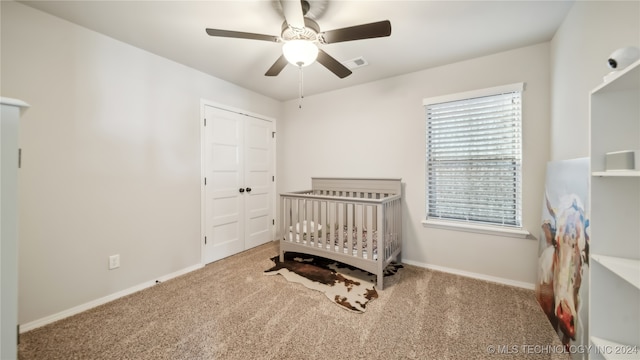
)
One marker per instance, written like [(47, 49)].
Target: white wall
[(111, 159), (378, 129), (579, 53)]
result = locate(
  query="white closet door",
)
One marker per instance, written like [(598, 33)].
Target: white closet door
[(224, 220), (238, 167), (258, 178)]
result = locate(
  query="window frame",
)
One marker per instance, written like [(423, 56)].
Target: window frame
[(473, 226)]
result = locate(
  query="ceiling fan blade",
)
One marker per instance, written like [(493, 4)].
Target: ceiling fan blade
[(277, 67), (333, 65), (365, 31), (242, 35), (292, 10)]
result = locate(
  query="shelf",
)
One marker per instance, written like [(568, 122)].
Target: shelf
[(617, 173), (627, 269), (625, 79), (614, 351)]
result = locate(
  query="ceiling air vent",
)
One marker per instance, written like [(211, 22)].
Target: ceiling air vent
[(355, 63)]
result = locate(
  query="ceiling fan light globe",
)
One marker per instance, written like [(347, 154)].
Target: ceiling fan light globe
[(300, 52)]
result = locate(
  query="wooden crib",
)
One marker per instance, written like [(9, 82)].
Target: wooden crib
[(352, 220)]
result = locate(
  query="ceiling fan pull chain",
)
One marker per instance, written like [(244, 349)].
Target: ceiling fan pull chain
[(300, 84)]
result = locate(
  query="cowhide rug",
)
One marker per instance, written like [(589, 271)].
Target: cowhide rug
[(349, 287)]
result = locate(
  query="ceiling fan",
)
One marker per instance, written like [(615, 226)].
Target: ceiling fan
[(301, 35)]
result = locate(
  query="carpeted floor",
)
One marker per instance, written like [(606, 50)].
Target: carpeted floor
[(230, 310)]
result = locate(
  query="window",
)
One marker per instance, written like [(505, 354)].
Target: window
[(474, 157)]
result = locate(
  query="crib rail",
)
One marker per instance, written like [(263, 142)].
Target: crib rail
[(358, 196)]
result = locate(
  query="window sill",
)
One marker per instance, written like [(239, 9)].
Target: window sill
[(475, 228)]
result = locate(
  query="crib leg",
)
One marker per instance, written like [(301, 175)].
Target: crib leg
[(281, 256), (381, 280)]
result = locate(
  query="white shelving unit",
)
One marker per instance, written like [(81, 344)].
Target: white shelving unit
[(614, 287)]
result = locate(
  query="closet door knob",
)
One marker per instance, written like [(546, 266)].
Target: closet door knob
[(248, 189), (241, 190)]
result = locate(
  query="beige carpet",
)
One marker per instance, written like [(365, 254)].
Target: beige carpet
[(230, 310)]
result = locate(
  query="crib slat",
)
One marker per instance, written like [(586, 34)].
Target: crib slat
[(388, 229), (314, 215), (323, 222), (381, 233), (301, 213), (309, 218), (391, 228), (287, 218), (349, 249), (359, 229), (398, 232), (332, 224), (290, 218), (398, 225), (340, 239), (370, 232), (295, 221)]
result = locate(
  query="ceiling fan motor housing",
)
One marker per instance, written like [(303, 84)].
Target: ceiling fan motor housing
[(309, 32)]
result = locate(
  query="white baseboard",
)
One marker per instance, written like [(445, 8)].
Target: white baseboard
[(495, 279), (86, 306)]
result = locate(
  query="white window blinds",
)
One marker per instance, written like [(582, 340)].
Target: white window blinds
[(474, 156)]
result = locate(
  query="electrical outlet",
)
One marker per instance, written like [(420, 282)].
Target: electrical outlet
[(114, 261)]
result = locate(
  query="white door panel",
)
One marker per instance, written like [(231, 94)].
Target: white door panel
[(258, 174), (224, 219)]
